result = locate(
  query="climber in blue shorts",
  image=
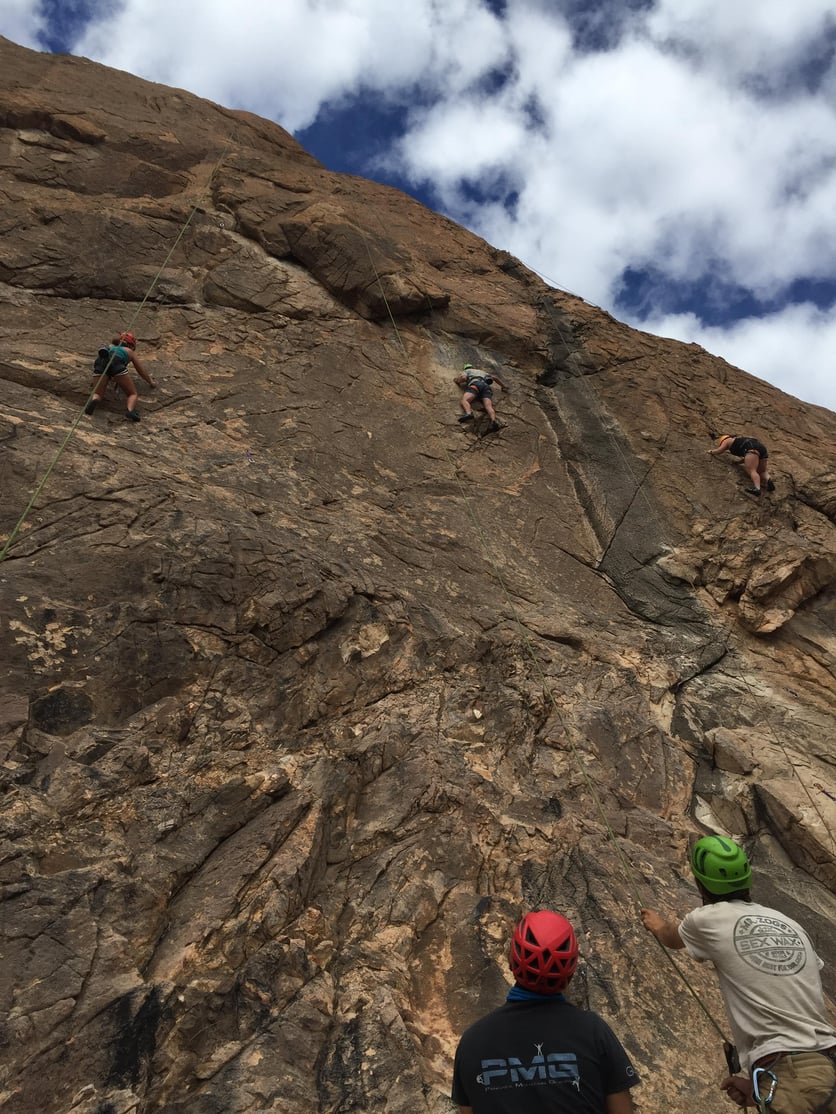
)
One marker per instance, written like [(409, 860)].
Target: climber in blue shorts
[(478, 387)]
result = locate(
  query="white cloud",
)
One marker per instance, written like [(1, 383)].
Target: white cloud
[(745, 37), (679, 169), (701, 144), (652, 157), (794, 349), (287, 59), (22, 22)]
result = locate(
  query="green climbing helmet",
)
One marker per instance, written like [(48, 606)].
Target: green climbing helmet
[(720, 865), (467, 367)]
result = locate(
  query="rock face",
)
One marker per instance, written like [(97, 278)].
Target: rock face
[(308, 691)]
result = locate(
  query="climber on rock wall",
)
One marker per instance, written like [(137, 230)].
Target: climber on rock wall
[(755, 456), (769, 980), (112, 367), (478, 388), (538, 1052)]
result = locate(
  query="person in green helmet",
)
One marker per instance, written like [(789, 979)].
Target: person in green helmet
[(769, 980)]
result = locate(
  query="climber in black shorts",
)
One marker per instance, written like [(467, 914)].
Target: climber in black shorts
[(755, 457)]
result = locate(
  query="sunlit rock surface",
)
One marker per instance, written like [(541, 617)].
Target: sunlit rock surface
[(307, 691)]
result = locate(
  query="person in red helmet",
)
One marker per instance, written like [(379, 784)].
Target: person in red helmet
[(112, 367), (538, 1053)]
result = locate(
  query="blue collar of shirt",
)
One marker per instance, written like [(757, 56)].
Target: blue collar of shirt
[(520, 994)]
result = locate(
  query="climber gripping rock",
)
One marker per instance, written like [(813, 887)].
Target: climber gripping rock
[(755, 456), (111, 366), (478, 387)]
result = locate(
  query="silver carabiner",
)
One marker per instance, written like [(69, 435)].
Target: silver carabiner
[(763, 1100)]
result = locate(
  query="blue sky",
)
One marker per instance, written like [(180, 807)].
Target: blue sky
[(673, 161)]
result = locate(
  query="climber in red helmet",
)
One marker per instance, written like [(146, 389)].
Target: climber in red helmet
[(111, 366), (538, 1052)]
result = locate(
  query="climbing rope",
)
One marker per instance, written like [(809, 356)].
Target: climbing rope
[(792, 765), (640, 487), (71, 431), (628, 872)]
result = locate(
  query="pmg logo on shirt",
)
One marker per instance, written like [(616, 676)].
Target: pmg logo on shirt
[(553, 1067), (769, 944)]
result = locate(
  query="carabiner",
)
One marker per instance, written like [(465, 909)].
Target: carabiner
[(763, 1100)]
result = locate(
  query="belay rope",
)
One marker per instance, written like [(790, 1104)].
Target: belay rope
[(628, 872), (130, 328)]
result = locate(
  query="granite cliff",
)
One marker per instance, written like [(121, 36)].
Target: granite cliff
[(307, 691)]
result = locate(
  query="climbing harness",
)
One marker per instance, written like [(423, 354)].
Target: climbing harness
[(474, 381)]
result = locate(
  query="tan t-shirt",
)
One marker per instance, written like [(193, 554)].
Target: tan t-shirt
[(769, 977)]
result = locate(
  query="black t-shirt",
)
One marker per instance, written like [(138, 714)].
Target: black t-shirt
[(539, 1057)]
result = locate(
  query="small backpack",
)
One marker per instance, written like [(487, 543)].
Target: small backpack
[(481, 377), (105, 361)]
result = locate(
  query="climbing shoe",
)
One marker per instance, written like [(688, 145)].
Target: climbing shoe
[(132, 415), (753, 491), (770, 486), (494, 427), (466, 418), (91, 406)]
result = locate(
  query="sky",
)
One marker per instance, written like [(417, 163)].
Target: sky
[(672, 161)]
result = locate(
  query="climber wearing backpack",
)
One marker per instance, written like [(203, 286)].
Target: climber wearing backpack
[(769, 980), (111, 366), (478, 388), (538, 1052), (754, 455)]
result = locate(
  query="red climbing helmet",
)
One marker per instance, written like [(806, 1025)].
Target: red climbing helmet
[(128, 339), (544, 952)]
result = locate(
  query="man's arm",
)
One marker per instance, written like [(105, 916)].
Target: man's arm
[(666, 932), (499, 380), (620, 1103)]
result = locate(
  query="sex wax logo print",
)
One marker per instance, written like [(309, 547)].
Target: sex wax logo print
[(770, 945)]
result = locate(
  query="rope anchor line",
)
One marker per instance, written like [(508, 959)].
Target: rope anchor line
[(628, 871), (135, 317)]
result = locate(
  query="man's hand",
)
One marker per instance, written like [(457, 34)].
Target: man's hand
[(739, 1089), (652, 921), (666, 932)]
